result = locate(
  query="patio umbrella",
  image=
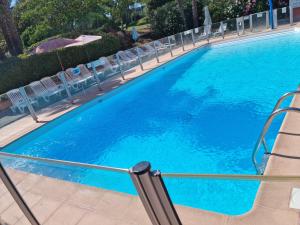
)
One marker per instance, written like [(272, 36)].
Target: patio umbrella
[(83, 40), (53, 44), (207, 21), (56, 43)]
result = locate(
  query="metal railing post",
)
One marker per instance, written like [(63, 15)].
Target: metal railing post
[(222, 29), (156, 53), (182, 43), (139, 58), (170, 47), (96, 76), (193, 38), (251, 22), (237, 26), (207, 33), (154, 195), (275, 18), (120, 66), (17, 197), (243, 24), (65, 84), (267, 20), (28, 104), (291, 15)]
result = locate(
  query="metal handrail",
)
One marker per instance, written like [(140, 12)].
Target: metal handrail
[(283, 97), (66, 163), (264, 131)]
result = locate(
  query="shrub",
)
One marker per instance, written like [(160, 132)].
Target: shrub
[(22, 70), (166, 20)]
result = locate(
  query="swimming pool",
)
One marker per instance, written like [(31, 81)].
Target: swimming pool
[(200, 113)]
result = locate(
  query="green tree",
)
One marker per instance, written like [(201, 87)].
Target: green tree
[(3, 47), (9, 30), (181, 10), (166, 20), (120, 12), (195, 13), (39, 19)]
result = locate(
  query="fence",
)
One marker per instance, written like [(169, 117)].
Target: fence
[(149, 184), (37, 97)]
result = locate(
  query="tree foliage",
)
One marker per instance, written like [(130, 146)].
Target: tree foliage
[(120, 12), (9, 30), (38, 19), (166, 20), (3, 47), (163, 24)]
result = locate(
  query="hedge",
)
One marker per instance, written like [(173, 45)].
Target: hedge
[(20, 71)]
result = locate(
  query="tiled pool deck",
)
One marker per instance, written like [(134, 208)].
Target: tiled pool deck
[(60, 202)]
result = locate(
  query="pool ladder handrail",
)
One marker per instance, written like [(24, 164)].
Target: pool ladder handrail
[(261, 140)]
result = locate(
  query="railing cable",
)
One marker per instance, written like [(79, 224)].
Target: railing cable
[(66, 163)]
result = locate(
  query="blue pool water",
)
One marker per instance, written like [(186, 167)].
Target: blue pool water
[(201, 113)]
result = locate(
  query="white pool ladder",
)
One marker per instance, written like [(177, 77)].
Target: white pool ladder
[(260, 167)]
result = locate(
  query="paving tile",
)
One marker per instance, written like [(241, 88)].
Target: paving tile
[(266, 216), (190, 216), (16, 176), (86, 197), (66, 215), (23, 221), (45, 208), (13, 213), (5, 202), (98, 219), (114, 204), (54, 188), (136, 214), (3, 189), (29, 182), (275, 194)]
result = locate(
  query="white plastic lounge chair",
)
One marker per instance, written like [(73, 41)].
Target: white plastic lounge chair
[(131, 55), (51, 86), (126, 57), (206, 33), (39, 90), (141, 52), (73, 80), (103, 65), (85, 73), (78, 75), (219, 32), (145, 50), (17, 100), (160, 46), (149, 48)]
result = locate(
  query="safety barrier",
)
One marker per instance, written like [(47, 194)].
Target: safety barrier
[(148, 183)]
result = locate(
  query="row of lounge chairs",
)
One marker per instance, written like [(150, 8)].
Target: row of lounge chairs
[(79, 77)]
